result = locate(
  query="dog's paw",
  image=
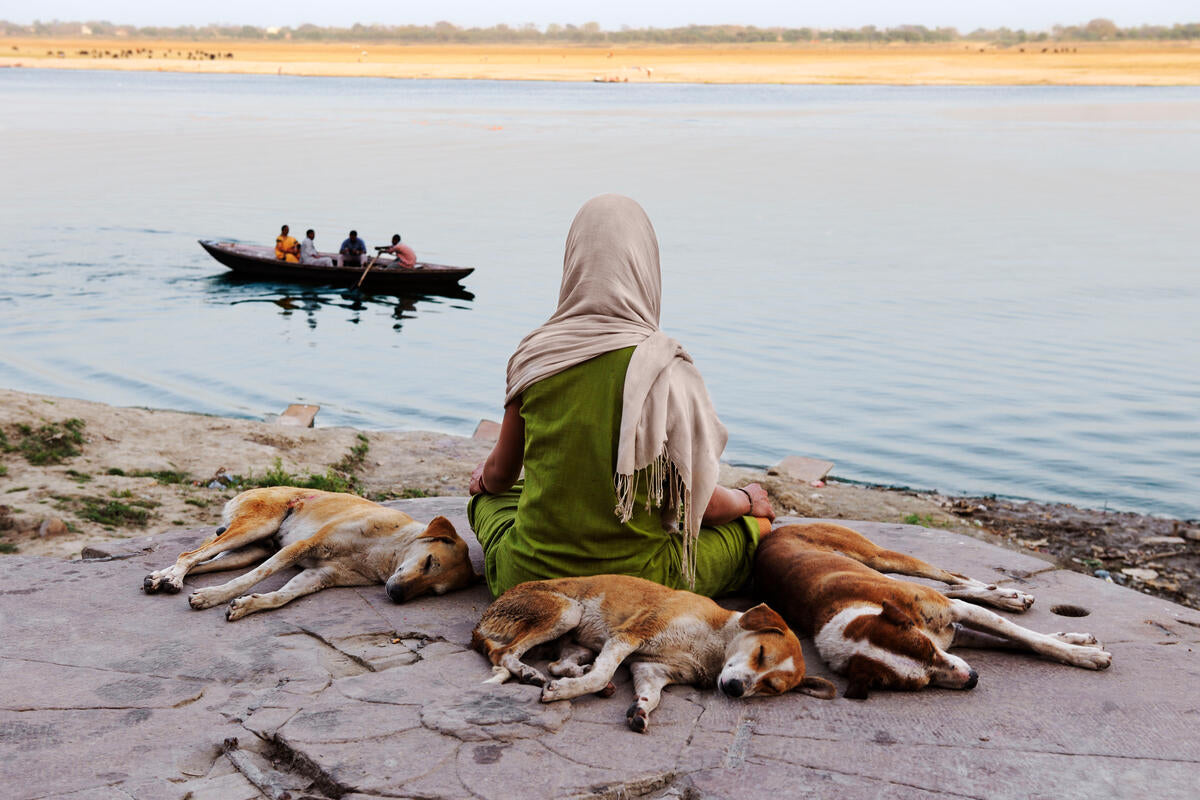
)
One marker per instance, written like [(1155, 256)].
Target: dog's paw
[(530, 676), (1006, 599), (161, 582), (205, 598), (1019, 601), (557, 690), (637, 718), (566, 669), (1090, 657), (239, 607), (1076, 638)]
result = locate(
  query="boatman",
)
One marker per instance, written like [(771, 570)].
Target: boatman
[(286, 248), (353, 250), (405, 257), (308, 251)]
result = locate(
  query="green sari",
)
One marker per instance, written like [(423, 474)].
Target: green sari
[(559, 520)]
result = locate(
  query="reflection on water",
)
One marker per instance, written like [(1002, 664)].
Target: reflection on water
[(231, 289)]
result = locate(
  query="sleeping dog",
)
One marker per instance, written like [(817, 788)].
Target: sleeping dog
[(885, 633), (670, 636), (338, 539)]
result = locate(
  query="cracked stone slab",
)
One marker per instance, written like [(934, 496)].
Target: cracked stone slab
[(58, 752), (129, 696), (227, 787), (525, 768), (796, 780), (453, 700), (376, 766), (38, 686), (337, 719), (972, 769), (494, 712)]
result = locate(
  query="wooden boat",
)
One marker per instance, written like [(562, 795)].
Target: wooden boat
[(256, 261)]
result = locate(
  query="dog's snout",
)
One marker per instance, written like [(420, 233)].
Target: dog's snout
[(396, 592), (733, 687), (972, 679)]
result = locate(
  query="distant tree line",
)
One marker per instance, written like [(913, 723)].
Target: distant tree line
[(591, 33)]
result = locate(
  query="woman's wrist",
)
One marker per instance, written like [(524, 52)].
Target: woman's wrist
[(749, 499)]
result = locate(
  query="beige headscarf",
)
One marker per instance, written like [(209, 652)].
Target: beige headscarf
[(610, 298)]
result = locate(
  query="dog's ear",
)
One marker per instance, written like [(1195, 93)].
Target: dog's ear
[(892, 613), (817, 687), (440, 528), (762, 618)]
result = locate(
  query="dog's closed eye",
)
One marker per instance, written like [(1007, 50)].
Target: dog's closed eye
[(428, 564)]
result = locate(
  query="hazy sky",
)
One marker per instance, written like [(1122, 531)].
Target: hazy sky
[(965, 15)]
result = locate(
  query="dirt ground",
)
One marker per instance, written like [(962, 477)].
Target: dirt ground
[(141, 471), (956, 63)]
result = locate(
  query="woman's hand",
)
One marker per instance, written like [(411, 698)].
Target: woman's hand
[(760, 503), (727, 505), (476, 485)]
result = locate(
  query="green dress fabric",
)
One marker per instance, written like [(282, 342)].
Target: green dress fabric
[(559, 521)]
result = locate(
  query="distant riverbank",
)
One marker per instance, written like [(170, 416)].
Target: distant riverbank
[(959, 63)]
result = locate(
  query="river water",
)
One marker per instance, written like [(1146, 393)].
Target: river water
[(982, 290)]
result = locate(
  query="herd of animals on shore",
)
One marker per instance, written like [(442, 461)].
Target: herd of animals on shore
[(142, 52)]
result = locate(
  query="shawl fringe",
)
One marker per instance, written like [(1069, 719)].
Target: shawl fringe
[(665, 490)]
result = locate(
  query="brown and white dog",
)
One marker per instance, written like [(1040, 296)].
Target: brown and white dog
[(338, 539), (881, 632), (670, 636)]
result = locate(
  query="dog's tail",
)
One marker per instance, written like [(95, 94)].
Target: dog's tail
[(817, 687)]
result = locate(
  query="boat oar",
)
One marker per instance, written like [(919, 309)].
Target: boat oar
[(371, 263)]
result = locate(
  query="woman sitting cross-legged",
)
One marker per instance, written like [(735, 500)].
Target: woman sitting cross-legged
[(616, 432)]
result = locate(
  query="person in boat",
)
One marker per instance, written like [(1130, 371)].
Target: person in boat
[(405, 257), (308, 251), (353, 250), (286, 248), (602, 410)]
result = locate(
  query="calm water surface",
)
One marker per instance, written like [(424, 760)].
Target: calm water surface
[(975, 289)]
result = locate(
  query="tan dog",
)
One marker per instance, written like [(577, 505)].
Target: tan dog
[(885, 633), (339, 540), (671, 637)]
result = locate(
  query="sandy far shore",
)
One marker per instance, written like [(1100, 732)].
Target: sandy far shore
[(1114, 64)]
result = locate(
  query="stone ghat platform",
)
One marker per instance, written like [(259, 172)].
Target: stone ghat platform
[(108, 693)]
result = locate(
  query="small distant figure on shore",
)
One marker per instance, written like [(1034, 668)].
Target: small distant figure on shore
[(353, 250), (286, 248), (404, 254), (308, 251)]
